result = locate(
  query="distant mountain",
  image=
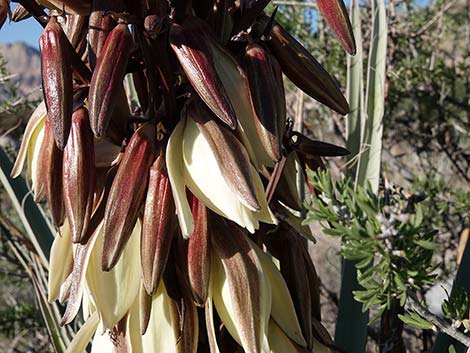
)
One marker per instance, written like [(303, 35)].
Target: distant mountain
[(24, 63)]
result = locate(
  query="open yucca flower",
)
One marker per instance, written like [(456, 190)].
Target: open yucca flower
[(177, 217)]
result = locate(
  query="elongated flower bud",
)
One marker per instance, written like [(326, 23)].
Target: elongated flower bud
[(337, 17), (108, 76), (99, 27), (306, 73), (158, 226), (51, 174), (57, 82), (127, 193), (192, 46), (198, 256), (79, 177), (266, 99)]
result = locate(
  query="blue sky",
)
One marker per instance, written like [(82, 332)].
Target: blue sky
[(27, 31)]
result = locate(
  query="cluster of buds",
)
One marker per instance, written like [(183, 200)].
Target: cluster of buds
[(178, 216)]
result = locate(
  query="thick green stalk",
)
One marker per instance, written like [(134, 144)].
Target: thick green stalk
[(351, 325), (355, 91), (363, 130), (369, 167)]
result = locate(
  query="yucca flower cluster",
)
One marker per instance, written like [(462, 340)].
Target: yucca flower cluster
[(178, 218)]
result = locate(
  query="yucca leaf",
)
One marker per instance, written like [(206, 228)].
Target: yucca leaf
[(369, 169)]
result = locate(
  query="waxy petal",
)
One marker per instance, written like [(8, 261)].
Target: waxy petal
[(175, 165), (160, 335), (280, 342), (235, 83), (241, 291), (83, 336), (60, 262), (231, 155), (72, 290), (56, 71), (212, 188), (115, 291), (282, 309), (30, 139)]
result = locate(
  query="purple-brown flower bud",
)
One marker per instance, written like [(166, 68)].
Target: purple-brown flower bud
[(127, 193), (108, 76), (79, 176), (56, 70)]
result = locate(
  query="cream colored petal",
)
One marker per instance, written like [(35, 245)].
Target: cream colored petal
[(114, 292), (320, 348), (35, 123), (174, 162), (241, 292), (282, 309), (278, 340), (235, 84), (83, 336), (60, 262), (34, 158), (205, 180), (102, 341), (72, 289), (134, 327), (209, 313), (160, 335)]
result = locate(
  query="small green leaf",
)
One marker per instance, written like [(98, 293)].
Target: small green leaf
[(426, 244), (416, 321)]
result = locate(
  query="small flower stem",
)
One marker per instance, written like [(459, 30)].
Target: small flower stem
[(438, 322)]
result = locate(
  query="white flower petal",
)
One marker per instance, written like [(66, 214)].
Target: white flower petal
[(60, 262), (282, 309), (174, 162), (160, 336), (236, 86), (115, 291), (278, 340), (35, 123), (204, 178), (84, 335)]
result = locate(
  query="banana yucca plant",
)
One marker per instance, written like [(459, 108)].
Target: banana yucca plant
[(177, 222)]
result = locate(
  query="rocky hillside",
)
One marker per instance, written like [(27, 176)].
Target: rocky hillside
[(23, 62)]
